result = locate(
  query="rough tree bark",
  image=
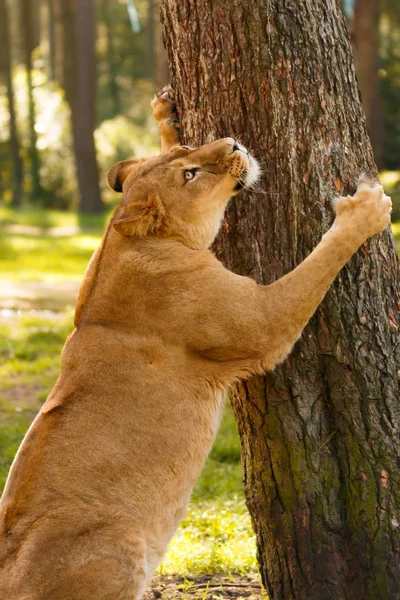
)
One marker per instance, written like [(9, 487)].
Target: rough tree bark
[(319, 435), (6, 69), (365, 38)]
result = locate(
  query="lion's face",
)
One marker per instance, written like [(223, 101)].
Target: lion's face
[(181, 194)]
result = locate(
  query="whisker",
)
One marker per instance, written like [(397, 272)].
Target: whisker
[(254, 188)]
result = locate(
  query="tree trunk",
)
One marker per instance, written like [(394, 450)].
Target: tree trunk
[(112, 58), (80, 90), (52, 40), (157, 56), (6, 67), (152, 19), (30, 39), (57, 11), (319, 435), (365, 38)]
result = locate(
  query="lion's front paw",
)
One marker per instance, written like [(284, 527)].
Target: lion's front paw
[(364, 214), (163, 105), (164, 111)]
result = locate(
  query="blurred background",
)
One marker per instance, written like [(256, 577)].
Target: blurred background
[(76, 78)]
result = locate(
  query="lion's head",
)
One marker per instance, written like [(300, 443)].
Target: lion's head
[(181, 194)]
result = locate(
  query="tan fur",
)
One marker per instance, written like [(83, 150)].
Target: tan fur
[(103, 476)]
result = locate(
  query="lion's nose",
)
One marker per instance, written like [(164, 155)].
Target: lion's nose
[(236, 146)]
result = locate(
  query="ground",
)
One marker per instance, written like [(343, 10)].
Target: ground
[(205, 587)]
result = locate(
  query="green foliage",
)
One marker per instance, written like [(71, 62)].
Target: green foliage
[(121, 138), (122, 58)]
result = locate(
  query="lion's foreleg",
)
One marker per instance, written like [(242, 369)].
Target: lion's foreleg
[(165, 113)]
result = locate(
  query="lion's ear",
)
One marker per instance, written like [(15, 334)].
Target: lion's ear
[(118, 173), (141, 218)]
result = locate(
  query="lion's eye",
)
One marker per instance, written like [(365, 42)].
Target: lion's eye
[(190, 174)]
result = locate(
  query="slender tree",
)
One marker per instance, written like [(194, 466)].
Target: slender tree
[(112, 57), (157, 56), (57, 42), (51, 39), (319, 436), (6, 68), (29, 30), (365, 38), (79, 82), (152, 19)]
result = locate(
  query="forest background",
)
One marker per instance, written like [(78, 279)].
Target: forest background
[(76, 78)]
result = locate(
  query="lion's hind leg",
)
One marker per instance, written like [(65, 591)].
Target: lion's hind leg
[(108, 564), (165, 113), (108, 578)]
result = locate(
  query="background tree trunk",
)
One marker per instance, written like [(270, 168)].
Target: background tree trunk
[(58, 7), (365, 38), (152, 19), (51, 26), (29, 27), (80, 89), (157, 56), (320, 435), (6, 69), (113, 58)]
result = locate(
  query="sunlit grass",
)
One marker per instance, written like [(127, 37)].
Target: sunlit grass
[(44, 218), (215, 537), (30, 249), (46, 258)]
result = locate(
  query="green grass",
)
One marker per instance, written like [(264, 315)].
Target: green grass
[(43, 258), (29, 250), (215, 536), (47, 219)]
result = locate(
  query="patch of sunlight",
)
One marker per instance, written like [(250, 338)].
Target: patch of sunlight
[(38, 217), (46, 218), (215, 537), (43, 258), (389, 178), (87, 242)]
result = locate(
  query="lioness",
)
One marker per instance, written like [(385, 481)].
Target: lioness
[(104, 474)]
